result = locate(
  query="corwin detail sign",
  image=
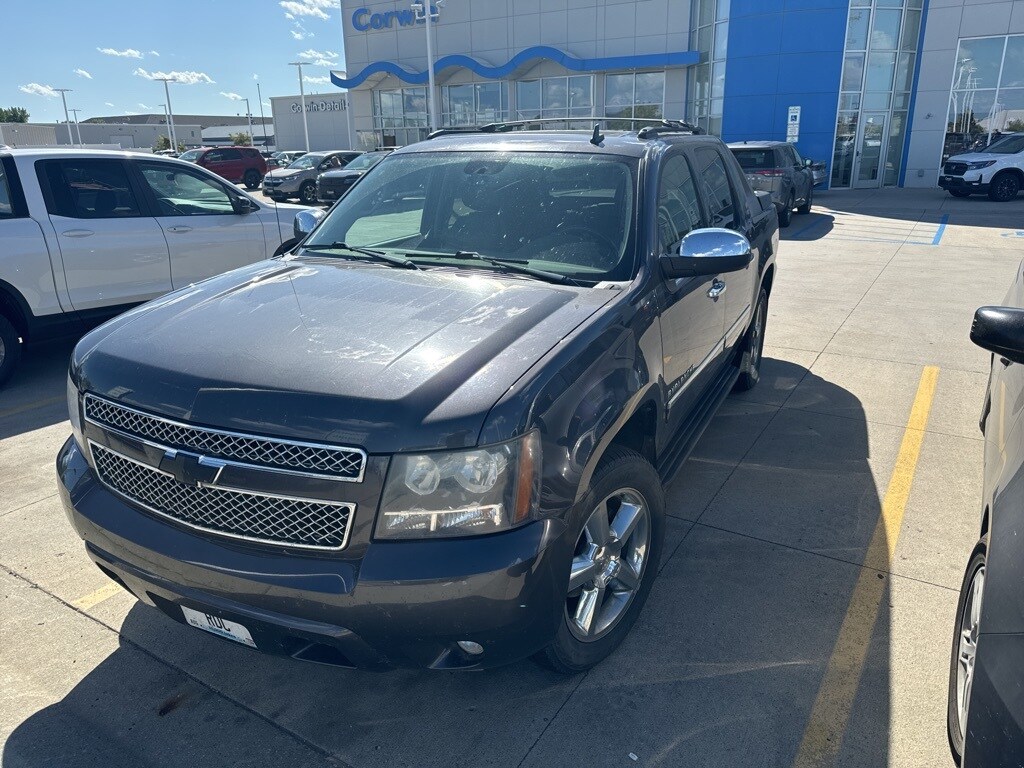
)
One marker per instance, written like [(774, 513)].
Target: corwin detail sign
[(363, 20)]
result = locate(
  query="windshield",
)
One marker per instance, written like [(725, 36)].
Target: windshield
[(1008, 145), (569, 214), (365, 162), (308, 161), (192, 155)]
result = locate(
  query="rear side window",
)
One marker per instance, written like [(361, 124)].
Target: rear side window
[(755, 159), (715, 188), (678, 209), (90, 189), (6, 205)]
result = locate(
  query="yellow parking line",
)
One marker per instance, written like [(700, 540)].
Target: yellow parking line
[(97, 597), (823, 735), (31, 406)]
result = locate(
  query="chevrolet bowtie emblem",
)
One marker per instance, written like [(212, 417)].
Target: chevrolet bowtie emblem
[(191, 468)]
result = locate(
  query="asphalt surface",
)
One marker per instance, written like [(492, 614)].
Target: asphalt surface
[(803, 613)]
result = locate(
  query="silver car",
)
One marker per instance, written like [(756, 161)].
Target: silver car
[(776, 167), (298, 179)]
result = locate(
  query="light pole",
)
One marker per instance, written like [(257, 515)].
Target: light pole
[(302, 99), (170, 112), (428, 14), (170, 139), (263, 120), (248, 118), (62, 91), (78, 128)]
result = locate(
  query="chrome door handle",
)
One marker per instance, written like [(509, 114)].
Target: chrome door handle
[(77, 232), (179, 229), (717, 289)]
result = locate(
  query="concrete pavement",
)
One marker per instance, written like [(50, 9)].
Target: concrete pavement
[(772, 521)]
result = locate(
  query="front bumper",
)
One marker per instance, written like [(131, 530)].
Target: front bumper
[(995, 721), (401, 604), (962, 184)]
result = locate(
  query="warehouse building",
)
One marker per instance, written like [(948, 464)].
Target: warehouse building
[(882, 90)]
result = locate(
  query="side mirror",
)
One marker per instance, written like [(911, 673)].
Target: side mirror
[(1000, 330), (808, 162), (306, 221), (707, 252), (243, 205)]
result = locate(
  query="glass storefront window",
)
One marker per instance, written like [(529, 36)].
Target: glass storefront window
[(857, 29), (881, 68), (400, 116), (1013, 64), (641, 95), (709, 35), (978, 63), (554, 97), (885, 31)]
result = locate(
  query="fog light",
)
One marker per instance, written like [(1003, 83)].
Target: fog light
[(474, 649)]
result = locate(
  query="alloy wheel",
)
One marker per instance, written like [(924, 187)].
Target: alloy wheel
[(608, 564), (967, 649)]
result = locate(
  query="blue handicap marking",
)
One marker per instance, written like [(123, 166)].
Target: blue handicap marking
[(1015, 233)]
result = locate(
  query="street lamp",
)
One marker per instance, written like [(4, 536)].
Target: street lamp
[(428, 14), (302, 98), (248, 114), (170, 112), (62, 91), (170, 138), (78, 128)]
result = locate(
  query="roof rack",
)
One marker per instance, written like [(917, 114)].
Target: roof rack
[(651, 128)]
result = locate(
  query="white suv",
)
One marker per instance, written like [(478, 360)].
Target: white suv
[(85, 235), (997, 170)]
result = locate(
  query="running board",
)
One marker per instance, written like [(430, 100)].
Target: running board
[(675, 454)]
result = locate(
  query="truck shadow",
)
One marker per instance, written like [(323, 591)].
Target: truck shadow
[(769, 520), (35, 396)]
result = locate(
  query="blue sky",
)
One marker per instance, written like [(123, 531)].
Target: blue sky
[(108, 52)]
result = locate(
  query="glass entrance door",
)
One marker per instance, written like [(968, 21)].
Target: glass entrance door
[(870, 150)]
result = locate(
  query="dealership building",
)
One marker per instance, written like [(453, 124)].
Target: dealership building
[(882, 90)]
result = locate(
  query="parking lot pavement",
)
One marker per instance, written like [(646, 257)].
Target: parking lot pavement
[(802, 616)]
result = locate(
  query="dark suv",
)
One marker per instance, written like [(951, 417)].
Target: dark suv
[(435, 433), (241, 165)]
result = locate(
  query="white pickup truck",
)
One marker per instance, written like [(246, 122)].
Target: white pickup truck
[(85, 235)]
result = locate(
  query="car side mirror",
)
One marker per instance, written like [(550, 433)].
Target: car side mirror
[(306, 221), (808, 162), (707, 252), (1000, 330), (243, 205)]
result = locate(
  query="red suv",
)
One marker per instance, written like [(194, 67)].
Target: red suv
[(237, 164)]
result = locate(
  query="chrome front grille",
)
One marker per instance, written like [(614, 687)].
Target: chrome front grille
[(263, 518), (346, 464)]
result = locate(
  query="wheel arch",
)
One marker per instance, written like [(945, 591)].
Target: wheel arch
[(14, 307)]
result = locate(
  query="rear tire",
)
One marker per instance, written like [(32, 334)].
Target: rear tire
[(252, 178), (753, 346), (1004, 187), (786, 214), (10, 349), (623, 479), (959, 193), (954, 727)]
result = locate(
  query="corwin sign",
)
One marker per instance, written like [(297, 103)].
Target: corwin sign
[(321, 105), (364, 21)]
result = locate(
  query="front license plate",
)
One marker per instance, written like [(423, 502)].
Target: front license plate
[(218, 626)]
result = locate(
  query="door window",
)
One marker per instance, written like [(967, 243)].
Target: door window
[(6, 206), (182, 192), (90, 189), (715, 188), (678, 209)]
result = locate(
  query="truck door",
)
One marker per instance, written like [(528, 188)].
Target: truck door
[(113, 252), (692, 317)]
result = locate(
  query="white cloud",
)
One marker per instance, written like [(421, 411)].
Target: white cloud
[(107, 103), (255, 76), (37, 89), (144, 106), (127, 53), (82, 73), (313, 8), (267, 104), (233, 96), (187, 77), (154, 53), (316, 80), (320, 58), (297, 35)]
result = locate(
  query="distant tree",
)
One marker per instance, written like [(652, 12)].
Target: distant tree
[(1015, 126), (241, 139), (13, 115), (162, 143)]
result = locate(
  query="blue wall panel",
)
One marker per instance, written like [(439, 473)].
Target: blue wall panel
[(784, 53)]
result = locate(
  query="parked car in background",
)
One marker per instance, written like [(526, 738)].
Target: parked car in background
[(985, 710), (332, 184), (820, 171), (298, 179), (776, 167), (436, 434), (288, 156), (997, 170), (241, 165), (85, 235)]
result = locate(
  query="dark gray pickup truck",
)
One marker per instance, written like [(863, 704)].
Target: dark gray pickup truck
[(435, 433)]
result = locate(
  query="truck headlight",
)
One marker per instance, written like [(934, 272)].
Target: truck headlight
[(978, 165), (75, 412), (461, 493)]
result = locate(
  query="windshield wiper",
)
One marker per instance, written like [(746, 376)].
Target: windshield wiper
[(519, 266), (387, 258)]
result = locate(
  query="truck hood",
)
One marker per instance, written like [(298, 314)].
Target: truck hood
[(334, 350)]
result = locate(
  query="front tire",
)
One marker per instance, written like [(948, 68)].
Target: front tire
[(10, 349), (615, 562), (307, 193), (965, 647), (1004, 187), (753, 346)]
